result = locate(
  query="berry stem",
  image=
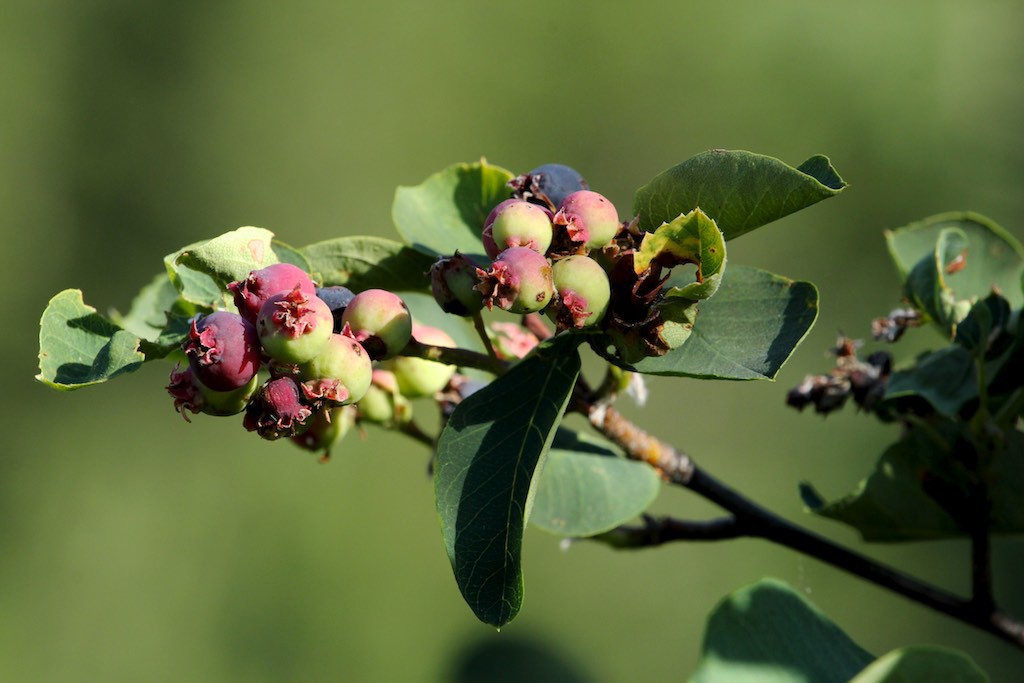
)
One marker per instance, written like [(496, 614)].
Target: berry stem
[(463, 358), (481, 330)]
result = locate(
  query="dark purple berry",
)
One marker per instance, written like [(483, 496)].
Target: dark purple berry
[(589, 218), (294, 327), (278, 409), (252, 292), (223, 350), (556, 181), (337, 299), (519, 281), (380, 321)]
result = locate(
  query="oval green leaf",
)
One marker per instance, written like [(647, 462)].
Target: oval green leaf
[(231, 256), (746, 331), (992, 256), (740, 190), (769, 632), (922, 664), (446, 212), (582, 493), (78, 347), (486, 458), (891, 505), (369, 262)]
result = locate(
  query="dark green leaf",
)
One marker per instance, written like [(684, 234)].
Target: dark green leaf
[(747, 330), (288, 254), (79, 347), (361, 263), (922, 664), (485, 462), (891, 504), (946, 379), (231, 256), (993, 256), (582, 493), (740, 190), (446, 212), (770, 632)]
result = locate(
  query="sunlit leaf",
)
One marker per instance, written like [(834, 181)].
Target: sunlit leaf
[(740, 190), (231, 256), (768, 632), (747, 330), (446, 212), (369, 262), (78, 347), (589, 491)]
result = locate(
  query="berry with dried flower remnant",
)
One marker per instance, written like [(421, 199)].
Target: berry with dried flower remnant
[(339, 374), (252, 292), (418, 377), (589, 218), (519, 281), (518, 223), (582, 292), (453, 281), (294, 327), (380, 321), (223, 350), (325, 429), (191, 395), (279, 408)]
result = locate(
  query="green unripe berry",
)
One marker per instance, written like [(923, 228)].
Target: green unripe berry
[(518, 223), (380, 321), (583, 292), (420, 377), (519, 281), (340, 374), (383, 403)]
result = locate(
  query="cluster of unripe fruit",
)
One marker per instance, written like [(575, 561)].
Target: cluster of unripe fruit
[(318, 350), (544, 244)]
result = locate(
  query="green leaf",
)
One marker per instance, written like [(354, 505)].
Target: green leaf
[(361, 263), (79, 347), (286, 253), (994, 258), (195, 287), (922, 664), (486, 459), (770, 633), (231, 256), (891, 504), (446, 212), (425, 311), (589, 491), (746, 331), (740, 190), (147, 316), (946, 379), (926, 283)]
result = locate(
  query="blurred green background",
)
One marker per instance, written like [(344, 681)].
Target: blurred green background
[(136, 547)]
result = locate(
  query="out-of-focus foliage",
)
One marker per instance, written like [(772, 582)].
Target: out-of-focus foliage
[(138, 548)]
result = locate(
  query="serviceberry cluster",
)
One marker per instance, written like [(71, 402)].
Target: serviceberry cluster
[(558, 248), (326, 357)]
